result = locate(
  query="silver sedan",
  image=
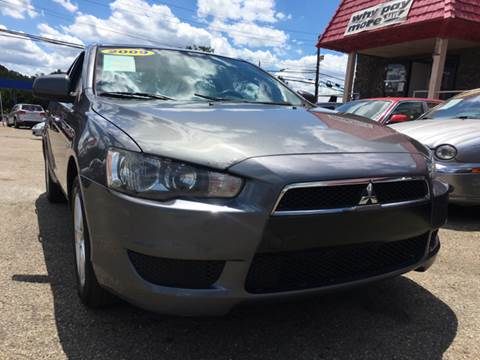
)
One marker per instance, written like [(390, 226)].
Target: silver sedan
[(452, 132), (37, 130)]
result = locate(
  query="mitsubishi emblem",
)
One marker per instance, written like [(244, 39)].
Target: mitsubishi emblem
[(368, 196)]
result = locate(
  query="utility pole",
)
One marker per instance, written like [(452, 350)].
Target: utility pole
[(317, 75), (1, 109)]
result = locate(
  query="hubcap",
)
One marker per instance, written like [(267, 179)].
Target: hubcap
[(79, 239)]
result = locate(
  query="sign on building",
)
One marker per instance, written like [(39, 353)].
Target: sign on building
[(385, 14)]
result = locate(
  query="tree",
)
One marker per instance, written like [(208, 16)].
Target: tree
[(206, 49), (10, 97)]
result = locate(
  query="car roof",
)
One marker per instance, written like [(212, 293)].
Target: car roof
[(468, 93), (396, 99)]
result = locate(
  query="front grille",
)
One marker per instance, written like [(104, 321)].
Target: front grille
[(189, 274), (338, 196), (286, 271)]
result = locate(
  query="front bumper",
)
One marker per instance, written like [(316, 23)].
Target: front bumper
[(465, 183), (120, 225)]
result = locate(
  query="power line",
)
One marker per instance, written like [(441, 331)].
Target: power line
[(25, 36), (201, 24), (55, 14), (322, 74), (60, 16), (295, 71), (197, 22)]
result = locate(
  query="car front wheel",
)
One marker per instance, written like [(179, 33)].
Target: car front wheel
[(89, 290)]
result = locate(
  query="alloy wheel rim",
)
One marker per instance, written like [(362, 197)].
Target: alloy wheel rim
[(79, 239)]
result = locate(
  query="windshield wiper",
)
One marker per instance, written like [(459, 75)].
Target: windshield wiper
[(219, 99), (135, 95), (270, 103), (213, 98)]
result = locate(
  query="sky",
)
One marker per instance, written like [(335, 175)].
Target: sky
[(277, 34)]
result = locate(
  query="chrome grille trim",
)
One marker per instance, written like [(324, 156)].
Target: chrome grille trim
[(359, 181)]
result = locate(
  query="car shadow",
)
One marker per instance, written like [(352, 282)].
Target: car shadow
[(463, 218), (391, 319)]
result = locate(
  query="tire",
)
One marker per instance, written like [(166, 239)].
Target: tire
[(15, 124), (89, 290), (54, 191)]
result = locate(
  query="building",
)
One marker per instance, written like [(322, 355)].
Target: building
[(420, 48)]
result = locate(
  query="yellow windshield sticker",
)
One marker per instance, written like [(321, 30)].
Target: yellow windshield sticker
[(127, 51)]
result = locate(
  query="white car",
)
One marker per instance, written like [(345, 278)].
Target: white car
[(37, 130), (26, 115)]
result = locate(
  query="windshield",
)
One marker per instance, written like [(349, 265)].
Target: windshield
[(32, 108), (466, 106), (372, 109), (183, 75)]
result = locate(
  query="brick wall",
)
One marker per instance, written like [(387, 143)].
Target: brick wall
[(370, 76)]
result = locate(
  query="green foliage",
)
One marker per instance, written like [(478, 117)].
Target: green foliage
[(206, 49), (12, 97)]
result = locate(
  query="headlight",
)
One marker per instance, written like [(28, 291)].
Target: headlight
[(446, 152), (163, 179)]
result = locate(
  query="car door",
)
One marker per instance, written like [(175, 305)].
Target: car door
[(413, 109), (60, 132)]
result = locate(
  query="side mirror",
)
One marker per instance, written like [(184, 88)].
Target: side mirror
[(398, 118), (307, 96), (53, 87)]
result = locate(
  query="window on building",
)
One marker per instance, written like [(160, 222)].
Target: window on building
[(395, 80)]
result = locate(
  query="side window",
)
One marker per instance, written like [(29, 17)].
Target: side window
[(412, 109), (75, 73)]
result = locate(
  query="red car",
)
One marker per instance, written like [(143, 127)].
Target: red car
[(389, 110)]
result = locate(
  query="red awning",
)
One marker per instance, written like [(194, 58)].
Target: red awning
[(458, 19)]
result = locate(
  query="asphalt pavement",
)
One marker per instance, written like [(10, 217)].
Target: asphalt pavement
[(430, 315)]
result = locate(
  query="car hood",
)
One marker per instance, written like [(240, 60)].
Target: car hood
[(220, 135), (433, 133)]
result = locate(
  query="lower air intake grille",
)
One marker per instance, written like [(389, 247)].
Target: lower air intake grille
[(398, 191), (189, 274), (276, 272)]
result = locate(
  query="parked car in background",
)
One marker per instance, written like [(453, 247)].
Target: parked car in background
[(307, 96), (329, 105), (37, 130), (389, 110), (452, 132), (198, 182), (25, 115)]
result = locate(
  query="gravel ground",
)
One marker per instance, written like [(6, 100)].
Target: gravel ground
[(428, 315)]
